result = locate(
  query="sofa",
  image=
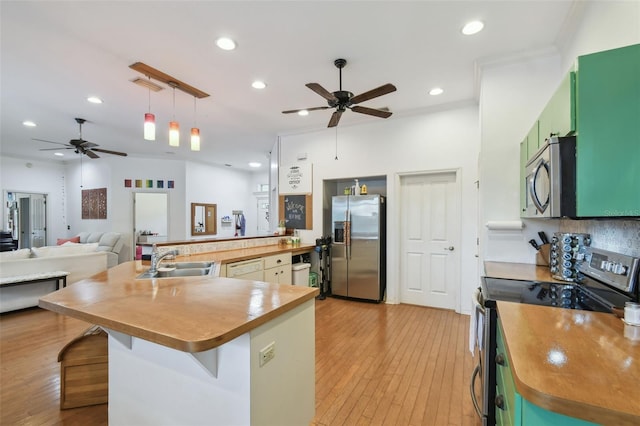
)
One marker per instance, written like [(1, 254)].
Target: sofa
[(79, 260), (111, 243)]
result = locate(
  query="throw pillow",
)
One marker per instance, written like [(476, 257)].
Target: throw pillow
[(61, 241)]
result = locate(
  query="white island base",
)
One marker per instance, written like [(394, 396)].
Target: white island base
[(151, 384)]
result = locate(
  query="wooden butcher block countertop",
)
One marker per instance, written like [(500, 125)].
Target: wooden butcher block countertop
[(579, 363), (190, 314), (518, 271), (236, 255)]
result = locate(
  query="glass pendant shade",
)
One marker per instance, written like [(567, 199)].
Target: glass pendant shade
[(150, 127), (174, 133), (195, 139)]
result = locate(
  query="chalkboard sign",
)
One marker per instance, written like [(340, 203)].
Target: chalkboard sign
[(296, 211)]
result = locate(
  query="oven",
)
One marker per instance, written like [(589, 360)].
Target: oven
[(606, 281)]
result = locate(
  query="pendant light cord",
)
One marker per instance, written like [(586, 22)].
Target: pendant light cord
[(149, 96)]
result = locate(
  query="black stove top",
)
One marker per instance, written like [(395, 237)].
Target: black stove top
[(570, 296)]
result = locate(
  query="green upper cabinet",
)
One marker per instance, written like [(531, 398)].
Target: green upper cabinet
[(523, 189), (533, 141), (608, 127), (559, 116)]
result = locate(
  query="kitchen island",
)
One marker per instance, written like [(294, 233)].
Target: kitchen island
[(570, 364), (200, 350)]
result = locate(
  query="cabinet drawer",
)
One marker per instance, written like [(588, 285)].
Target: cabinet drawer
[(277, 260)]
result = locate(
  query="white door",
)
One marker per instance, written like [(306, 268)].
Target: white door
[(430, 224)]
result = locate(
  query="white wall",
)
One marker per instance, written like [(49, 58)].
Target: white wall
[(511, 98), (21, 175), (438, 140), (229, 188)]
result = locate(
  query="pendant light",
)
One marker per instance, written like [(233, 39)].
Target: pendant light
[(174, 127), (195, 132), (149, 122)]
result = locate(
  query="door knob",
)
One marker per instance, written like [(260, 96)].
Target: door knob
[(450, 248)]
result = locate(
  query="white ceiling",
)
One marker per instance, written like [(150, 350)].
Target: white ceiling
[(55, 54)]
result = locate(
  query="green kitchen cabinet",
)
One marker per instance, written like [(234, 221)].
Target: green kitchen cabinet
[(523, 188), (514, 410), (533, 140), (608, 128), (559, 115)]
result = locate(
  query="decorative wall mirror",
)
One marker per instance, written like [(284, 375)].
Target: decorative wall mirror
[(203, 219)]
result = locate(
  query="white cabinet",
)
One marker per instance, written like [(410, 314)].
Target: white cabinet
[(277, 269)]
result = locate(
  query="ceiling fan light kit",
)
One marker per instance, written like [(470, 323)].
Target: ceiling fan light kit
[(342, 100)]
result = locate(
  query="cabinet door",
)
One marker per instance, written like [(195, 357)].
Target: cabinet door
[(523, 163), (558, 117), (278, 275), (533, 140), (608, 142)]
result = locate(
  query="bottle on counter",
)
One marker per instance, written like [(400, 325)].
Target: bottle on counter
[(363, 189), (356, 189)]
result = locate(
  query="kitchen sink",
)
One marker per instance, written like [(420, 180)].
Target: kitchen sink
[(184, 272), (180, 269), (189, 265)]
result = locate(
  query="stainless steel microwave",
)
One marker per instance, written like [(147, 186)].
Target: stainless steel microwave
[(550, 180)]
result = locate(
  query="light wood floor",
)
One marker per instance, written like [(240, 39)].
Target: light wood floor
[(375, 364)]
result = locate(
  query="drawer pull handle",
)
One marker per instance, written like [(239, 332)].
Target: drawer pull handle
[(279, 261), (500, 402), (500, 359)]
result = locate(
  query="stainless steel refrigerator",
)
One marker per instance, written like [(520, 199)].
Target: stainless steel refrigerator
[(358, 251)]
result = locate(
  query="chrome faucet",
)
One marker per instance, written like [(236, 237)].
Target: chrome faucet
[(156, 258)]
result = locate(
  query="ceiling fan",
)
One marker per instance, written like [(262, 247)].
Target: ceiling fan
[(343, 100), (81, 146)]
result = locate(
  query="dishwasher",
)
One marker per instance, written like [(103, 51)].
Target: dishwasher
[(246, 270)]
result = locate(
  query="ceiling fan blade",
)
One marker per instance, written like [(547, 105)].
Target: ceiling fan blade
[(304, 109), (371, 111), (321, 91), (82, 143), (335, 118), (90, 154), (42, 140), (106, 151), (374, 93), (55, 149)]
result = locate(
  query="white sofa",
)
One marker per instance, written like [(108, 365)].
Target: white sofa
[(110, 242), (80, 260)]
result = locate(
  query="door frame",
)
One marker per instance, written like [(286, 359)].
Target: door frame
[(396, 246), (5, 211)]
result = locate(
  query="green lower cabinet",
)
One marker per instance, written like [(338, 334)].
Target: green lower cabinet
[(532, 415), (608, 140)]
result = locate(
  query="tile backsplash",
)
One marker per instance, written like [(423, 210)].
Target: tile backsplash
[(622, 236)]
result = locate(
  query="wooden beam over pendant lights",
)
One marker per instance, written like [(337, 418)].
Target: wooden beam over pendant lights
[(167, 79)]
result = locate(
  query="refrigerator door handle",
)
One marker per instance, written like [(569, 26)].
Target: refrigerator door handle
[(347, 238)]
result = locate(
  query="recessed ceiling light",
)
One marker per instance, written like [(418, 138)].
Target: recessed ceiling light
[(436, 91), (254, 164), (59, 154), (29, 123), (94, 100), (472, 27), (303, 112), (258, 84), (225, 43)]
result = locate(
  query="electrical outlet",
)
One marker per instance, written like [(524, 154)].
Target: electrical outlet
[(267, 353)]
